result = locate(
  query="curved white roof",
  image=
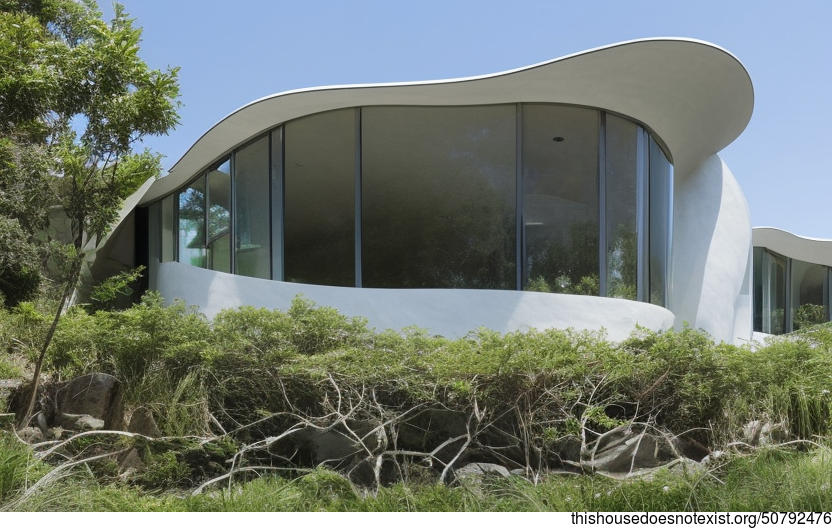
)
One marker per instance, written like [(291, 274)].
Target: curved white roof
[(814, 250), (695, 96)]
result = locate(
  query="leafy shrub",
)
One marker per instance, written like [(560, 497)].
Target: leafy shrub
[(116, 291)]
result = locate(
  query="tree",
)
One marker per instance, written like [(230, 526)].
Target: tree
[(75, 100)]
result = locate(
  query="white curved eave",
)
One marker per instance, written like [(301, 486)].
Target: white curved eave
[(694, 95), (813, 250)]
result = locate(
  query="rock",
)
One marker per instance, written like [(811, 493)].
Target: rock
[(762, 433), (131, 463), (7, 386), (80, 422), (628, 449), (327, 445), (55, 433), (142, 422), (30, 435), (479, 469), (97, 395)]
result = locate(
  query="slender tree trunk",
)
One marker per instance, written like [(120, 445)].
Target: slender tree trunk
[(70, 287)]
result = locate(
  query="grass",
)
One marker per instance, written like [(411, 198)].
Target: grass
[(769, 480)]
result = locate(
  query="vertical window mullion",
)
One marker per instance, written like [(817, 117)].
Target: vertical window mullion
[(232, 197), (520, 236), (643, 220), (602, 204), (358, 203), (277, 178), (788, 320)]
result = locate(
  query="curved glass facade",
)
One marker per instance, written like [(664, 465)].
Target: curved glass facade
[(789, 294), (527, 196)]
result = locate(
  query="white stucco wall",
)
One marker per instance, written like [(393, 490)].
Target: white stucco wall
[(711, 281), (451, 313)]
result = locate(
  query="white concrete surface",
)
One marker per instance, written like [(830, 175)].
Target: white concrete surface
[(451, 313), (814, 250), (711, 277)]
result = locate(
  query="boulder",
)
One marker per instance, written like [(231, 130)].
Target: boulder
[(627, 449), (79, 422), (30, 435), (142, 422), (479, 469), (97, 395)]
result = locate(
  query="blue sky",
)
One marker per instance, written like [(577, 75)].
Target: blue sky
[(231, 53)]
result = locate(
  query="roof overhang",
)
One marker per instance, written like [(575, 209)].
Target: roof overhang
[(695, 96), (814, 250)]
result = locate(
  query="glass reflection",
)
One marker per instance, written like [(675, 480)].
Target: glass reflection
[(192, 224), (219, 218), (661, 196), (251, 210), (560, 186), (621, 175), (807, 294), (774, 294), (439, 205), (319, 200), (438, 190)]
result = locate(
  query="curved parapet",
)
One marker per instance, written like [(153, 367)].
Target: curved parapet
[(665, 83), (451, 313), (814, 250), (712, 253)]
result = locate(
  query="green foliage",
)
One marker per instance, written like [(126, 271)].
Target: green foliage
[(19, 264), (106, 295), (809, 315), (165, 471)]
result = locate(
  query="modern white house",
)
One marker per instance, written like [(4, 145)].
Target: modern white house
[(583, 192)]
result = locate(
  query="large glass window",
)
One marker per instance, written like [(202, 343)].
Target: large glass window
[(808, 292), (251, 210), (437, 190), (219, 218), (621, 178), (439, 197), (560, 197), (192, 224), (774, 294), (661, 223), (319, 199)]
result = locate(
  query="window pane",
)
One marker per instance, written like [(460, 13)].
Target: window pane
[(319, 217), (560, 185), (219, 218), (251, 210), (168, 244), (439, 192), (661, 196), (758, 289), (808, 285), (192, 224), (622, 207), (774, 294)]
